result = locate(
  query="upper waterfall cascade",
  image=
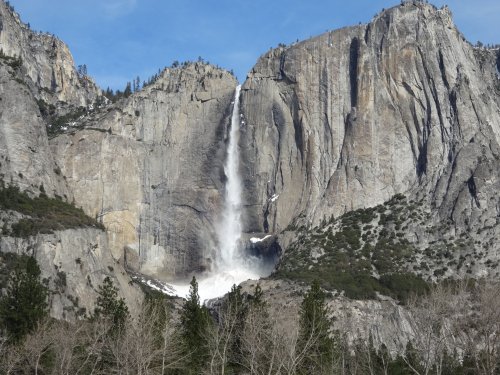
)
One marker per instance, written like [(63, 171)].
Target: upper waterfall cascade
[(231, 264), (229, 231)]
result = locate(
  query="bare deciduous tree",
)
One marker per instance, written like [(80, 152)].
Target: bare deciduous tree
[(479, 327), (458, 319)]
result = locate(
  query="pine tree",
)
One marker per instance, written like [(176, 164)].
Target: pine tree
[(257, 299), (25, 303), (118, 95), (128, 90), (110, 306), (314, 340), (137, 84), (109, 93), (82, 70), (236, 311), (194, 327)]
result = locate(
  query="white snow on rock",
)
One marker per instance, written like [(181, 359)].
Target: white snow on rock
[(256, 239)]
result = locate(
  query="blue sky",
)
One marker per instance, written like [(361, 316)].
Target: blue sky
[(121, 39)]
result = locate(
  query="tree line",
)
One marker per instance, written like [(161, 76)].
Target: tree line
[(456, 331), (135, 85)]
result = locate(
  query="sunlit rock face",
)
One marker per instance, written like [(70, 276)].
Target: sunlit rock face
[(45, 74), (338, 122), (37, 71), (151, 167), (75, 262), (47, 61), (350, 118), (341, 121)]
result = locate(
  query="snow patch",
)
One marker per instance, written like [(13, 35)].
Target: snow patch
[(274, 197), (157, 285), (256, 239)]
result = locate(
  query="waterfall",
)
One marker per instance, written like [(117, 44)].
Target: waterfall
[(229, 231), (231, 265)]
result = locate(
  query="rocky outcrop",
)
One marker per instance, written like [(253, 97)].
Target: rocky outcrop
[(348, 119), (151, 168), (384, 320), (37, 75), (75, 263), (47, 62), (37, 71), (25, 158)]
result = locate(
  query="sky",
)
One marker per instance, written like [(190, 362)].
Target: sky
[(119, 40)]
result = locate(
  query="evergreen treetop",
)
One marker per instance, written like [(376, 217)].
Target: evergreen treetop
[(195, 322), (110, 306), (314, 339), (25, 303)]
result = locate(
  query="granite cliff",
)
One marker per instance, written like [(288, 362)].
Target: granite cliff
[(402, 110), (47, 62), (348, 119), (37, 75), (151, 168)]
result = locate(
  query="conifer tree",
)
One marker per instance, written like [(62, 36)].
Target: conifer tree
[(109, 93), (317, 346), (194, 329), (257, 299), (110, 306), (128, 90), (236, 311), (25, 303), (137, 84)]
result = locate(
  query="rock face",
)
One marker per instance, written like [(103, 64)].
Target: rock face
[(75, 262), (47, 62), (348, 119), (384, 320), (25, 157), (338, 122), (151, 167), (37, 70)]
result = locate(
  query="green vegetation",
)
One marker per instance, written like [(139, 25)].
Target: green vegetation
[(58, 124), (25, 302), (45, 214), (240, 336), (314, 335), (110, 306), (362, 253), (8, 263), (403, 285), (46, 110), (194, 329), (375, 250), (13, 61), (115, 96)]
